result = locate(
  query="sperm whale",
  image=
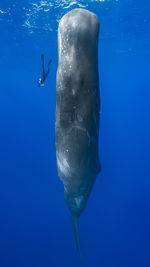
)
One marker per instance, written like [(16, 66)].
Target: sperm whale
[(77, 109)]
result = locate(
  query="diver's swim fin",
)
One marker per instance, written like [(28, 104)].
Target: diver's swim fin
[(50, 61), (42, 57)]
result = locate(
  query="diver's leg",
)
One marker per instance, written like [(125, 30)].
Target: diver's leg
[(43, 68), (42, 58), (48, 66), (50, 61)]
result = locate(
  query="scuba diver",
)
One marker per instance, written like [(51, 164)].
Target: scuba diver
[(44, 74)]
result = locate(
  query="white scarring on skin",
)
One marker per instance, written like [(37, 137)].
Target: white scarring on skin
[(79, 201), (63, 164)]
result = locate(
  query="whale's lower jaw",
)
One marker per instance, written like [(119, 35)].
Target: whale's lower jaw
[(77, 200), (78, 182), (76, 205)]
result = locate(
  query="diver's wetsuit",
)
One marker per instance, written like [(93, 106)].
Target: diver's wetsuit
[(45, 74)]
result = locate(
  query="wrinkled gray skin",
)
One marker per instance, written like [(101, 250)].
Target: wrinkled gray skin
[(77, 107)]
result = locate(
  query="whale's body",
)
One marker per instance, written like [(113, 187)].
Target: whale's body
[(77, 108)]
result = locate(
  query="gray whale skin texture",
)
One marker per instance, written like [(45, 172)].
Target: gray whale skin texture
[(77, 109)]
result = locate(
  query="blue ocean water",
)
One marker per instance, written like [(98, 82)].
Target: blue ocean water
[(35, 225)]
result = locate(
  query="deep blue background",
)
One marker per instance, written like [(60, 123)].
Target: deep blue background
[(35, 225)]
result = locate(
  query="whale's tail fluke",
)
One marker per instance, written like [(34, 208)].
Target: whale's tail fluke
[(76, 232)]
